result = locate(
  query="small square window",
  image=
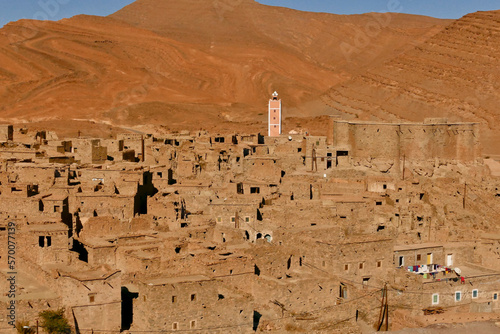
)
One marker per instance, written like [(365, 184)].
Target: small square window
[(219, 219), (361, 265), (192, 324), (435, 299), (247, 219), (475, 293), (379, 264), (346, 267), (458, 296), (495, 296), (193, 297), (174, 299), (233, 219), (91, 298), (419, 257), (175, 326)]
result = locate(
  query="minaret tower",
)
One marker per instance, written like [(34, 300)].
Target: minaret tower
[(274, 120)]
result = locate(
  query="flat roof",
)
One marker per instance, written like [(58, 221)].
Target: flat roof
[(179, 279), (398, 248), (404, 123)]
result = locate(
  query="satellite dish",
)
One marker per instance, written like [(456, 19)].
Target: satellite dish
[(458, 271)]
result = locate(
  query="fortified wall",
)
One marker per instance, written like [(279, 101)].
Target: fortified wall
[(431, 140)]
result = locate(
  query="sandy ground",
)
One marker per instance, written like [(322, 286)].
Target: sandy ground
[(468, 328)]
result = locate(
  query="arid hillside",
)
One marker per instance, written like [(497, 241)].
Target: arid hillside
[(454, 74), (190, 64)]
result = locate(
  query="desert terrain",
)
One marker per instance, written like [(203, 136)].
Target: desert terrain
[(232, 167), (138, 67)]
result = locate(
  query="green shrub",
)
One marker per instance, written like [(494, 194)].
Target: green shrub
[(54, 322)]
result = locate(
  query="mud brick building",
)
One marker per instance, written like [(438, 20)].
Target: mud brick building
[(238, 233)]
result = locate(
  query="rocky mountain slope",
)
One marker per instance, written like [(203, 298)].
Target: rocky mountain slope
[(188, 63), (454, 74)]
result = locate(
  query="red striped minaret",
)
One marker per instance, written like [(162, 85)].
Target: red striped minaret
[(274, 120)]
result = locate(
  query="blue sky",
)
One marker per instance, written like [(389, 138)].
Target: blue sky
[(12, 10)]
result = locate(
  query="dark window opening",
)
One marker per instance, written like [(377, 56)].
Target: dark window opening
[(41, 241), (219, 139), (256, 320), (384, 186), (256, 270), (422, 196), (342, 153), (219, 297), (254, 190), (259, 235), (380, 228), (366, 280), (177, 250), (174, 299), (343, 291), (49, 241), (378, 203), (193, 297), (239, 189)]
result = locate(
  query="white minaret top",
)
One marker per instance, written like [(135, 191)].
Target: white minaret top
[(274, 119)]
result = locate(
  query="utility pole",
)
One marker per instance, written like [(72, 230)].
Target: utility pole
[(465, 193), (384, 311), (142, 149), (404, 165), (314, 161)]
